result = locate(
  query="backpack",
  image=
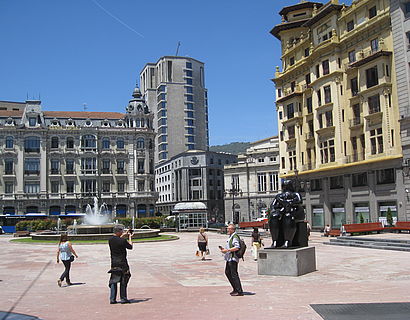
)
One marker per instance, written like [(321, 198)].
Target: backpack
[(242, 248)]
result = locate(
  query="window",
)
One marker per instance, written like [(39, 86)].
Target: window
[(319, 98), (354, 87), (325, 66), (69, 166), (9, 142), (189, 90), (89, 186), (374, 45), (307, 52), (55, 187), (55, 166), (292, 61), (8, 166), (189, 114), (106, 166), (291, 132), (374, 104), (32, 166), (54, 142), (407, 8), (188, 73), (141, 166), (33, 187), (327, 151), (169, 68), (70, 186), (88, 165), (376, 140), (188, 65), (190, 98), (307, 78), (261, 182), (189, 122), (317, 71), (279, 93), (141, 185), (32, 144), (372, 78), (309, 104), (191, 139), (120, 143), (329, 118), (273, 181), (106, 186), (190, 106), (8, 187), (120, 166), (32, 121), (105, 143), (352, 56), (316, 185), (70, 143), (292, 160), (292, 86), (290, 112), (140, 143), (372, 12), (328, 94), (190, 130), (88, 141), (350, 25), (336, 182), (386, 176), (359, 179)]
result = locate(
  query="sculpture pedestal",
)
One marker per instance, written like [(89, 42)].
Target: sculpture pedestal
[(286, 262)]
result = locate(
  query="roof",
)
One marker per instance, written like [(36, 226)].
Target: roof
[(263, 140), (83, 114), (323, 12), (298, 6), (190, 206), (11, 113), (287, 25)]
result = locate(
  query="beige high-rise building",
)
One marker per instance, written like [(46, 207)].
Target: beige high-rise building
[(174, 88), (338, 110)]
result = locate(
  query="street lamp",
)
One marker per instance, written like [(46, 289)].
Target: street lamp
[(234, 191)]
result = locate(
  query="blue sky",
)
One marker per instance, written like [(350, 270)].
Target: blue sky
[(91, 51)]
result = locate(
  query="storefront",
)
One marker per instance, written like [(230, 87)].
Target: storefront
[(338, 215), (191, 215), (318, 219), (361, 212)]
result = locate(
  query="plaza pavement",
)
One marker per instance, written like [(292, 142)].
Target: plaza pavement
[(169, 282)]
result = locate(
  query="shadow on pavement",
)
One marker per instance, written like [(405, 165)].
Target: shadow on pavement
[(140, 300), (16, 316), (248, 293), (76, 284)]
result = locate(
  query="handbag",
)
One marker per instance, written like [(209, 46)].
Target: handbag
[(197, 253), (207, 251), (71, 259)]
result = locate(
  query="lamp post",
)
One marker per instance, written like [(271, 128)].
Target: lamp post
[(234, 191)]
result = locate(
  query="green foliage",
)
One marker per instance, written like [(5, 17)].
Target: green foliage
[(152, 222), (233, 147), (42, 224), (361, 219), (389, 217)]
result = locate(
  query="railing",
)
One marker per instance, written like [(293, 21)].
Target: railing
[(35, 172), (356, 156), (88, 171), (68, 171), (374, 109), (32, 150), (355, 121), (105, 171), (8, 172), (54, 171), (121, 171)]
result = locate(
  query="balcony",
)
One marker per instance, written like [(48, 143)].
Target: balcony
[(89, 171), (121, 171), (365, 56), (326, 130), (105, 171), (309, 136), (308, 166), (289, 94), (354, 157), (69, 171), (355, 122), (54, 171), (32, 150), (9, 173), (32, 172)]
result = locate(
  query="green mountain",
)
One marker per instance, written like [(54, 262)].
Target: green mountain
[(233, 147)]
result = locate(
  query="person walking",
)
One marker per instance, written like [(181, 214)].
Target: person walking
[(256, 243), (231, 266), (66, 254), (202, 243), (120, 270)]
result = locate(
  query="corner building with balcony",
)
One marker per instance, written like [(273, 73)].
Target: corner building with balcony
[(53, 163), (174, 88), (338, 113)]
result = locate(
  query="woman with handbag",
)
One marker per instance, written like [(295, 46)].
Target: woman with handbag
[(256, 243), (202, 243), (66, 254)]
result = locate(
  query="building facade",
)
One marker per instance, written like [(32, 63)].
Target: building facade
[(194, 175), (174, 89), (53, 163), (338, 112), (400, 14), (253, 182)]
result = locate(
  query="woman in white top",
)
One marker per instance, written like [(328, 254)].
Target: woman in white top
[(202, 243), (66, 254)]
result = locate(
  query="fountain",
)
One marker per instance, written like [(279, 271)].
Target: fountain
[(96, 226)]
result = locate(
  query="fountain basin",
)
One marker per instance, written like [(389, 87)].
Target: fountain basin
[(138, 234)]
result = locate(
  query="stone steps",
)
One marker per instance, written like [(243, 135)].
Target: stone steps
[(382, 244)]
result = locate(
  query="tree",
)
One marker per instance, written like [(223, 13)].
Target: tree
[(389, 217), (361, 219)]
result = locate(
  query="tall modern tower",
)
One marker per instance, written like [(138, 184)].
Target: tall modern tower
[(174, 89)]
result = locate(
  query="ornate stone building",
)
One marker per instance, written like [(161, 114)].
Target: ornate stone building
[(253, 182), (338, 110), (55, 162)]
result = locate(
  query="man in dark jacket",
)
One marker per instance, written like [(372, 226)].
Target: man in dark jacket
[(120, 270)]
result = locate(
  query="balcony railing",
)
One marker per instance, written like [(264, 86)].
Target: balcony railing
[(8, 172), (105, 171), (32, 150), (54, 171), (374, 109), (121, 171), (33, 172), (355, 121), (88, 171), (356, 156), (69, 171)]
